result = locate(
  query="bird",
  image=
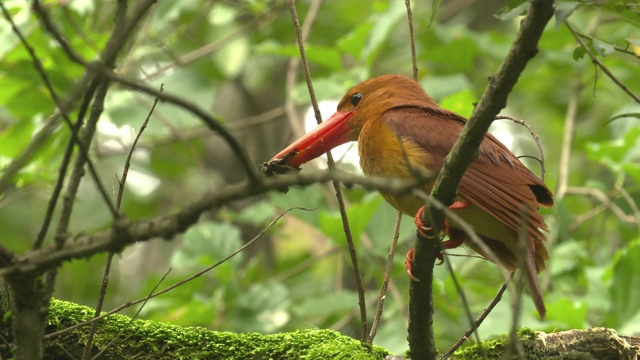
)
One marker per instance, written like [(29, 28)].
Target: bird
[(400, 129)]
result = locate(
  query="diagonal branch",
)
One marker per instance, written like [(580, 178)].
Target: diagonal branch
[(524, 48), (600, 65)]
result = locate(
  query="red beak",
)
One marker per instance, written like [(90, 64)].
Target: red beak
[(329, 134)]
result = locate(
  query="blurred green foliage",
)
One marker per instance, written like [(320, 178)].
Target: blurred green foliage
[(231, 58)]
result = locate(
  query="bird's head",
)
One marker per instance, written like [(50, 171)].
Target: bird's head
[(364, 102)]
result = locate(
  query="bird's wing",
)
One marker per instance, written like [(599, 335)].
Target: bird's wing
[(497, 182)]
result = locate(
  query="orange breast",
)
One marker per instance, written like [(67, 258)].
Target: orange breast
[(385, 154)]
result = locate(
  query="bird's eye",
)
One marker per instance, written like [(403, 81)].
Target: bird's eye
[(355, 98)]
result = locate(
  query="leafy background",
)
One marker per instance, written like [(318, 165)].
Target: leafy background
[(234, 58)]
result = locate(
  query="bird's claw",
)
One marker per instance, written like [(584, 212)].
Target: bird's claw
[(408, 264), (422, 228), (453, 242)]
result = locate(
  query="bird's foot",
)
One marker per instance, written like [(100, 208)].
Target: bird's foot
[(423, 229), (449, 244), (408, 264), (459, 205), (453, 242)]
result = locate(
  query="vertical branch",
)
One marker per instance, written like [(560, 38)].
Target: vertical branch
[(567, 142), (336, 185), (292, 69), (524, 48), (413, 40)]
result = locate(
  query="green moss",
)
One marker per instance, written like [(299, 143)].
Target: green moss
[(151, 340), (527, 334), (495, 349)]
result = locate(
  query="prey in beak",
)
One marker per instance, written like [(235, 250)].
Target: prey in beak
[(329, 134)]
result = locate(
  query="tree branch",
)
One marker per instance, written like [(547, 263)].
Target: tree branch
[(421, 337), (123, 232)]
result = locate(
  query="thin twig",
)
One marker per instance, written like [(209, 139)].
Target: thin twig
[(208, 49), (630, 201), (567, 142), (292, 71), (61, 108), (580, 219), (62, 171), (480, 319), (211, 122), (599, 64), (107, 268), (617, 48), (336, 185), (535, 137), (179, 283), (414, 61), (516, 299), (104, 70), (385, 281), (127, 164), (197, 132), (131, 319), (514, 342), (605, 200), (465, 302)]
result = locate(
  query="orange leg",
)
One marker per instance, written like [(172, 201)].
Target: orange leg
[(454, 241)]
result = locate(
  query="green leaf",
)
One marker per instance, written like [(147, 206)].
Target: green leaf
[(578, 53), (513, 10), (460, 102), (616, 152), (381, 225), (263, 308), (440, 87), (435, 6), (602, 47), (632, 41), (567, 256), (207, 243), (257, 214), (385, 25), (15, 138), (633, 170), (564, 10), (327, 304), (322, 55), (626, 14), (354, 42), (572, 313), (359, 217), (624, 291), (307, 197)]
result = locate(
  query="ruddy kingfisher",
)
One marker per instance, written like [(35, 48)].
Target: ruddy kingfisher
[(400, 129)]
